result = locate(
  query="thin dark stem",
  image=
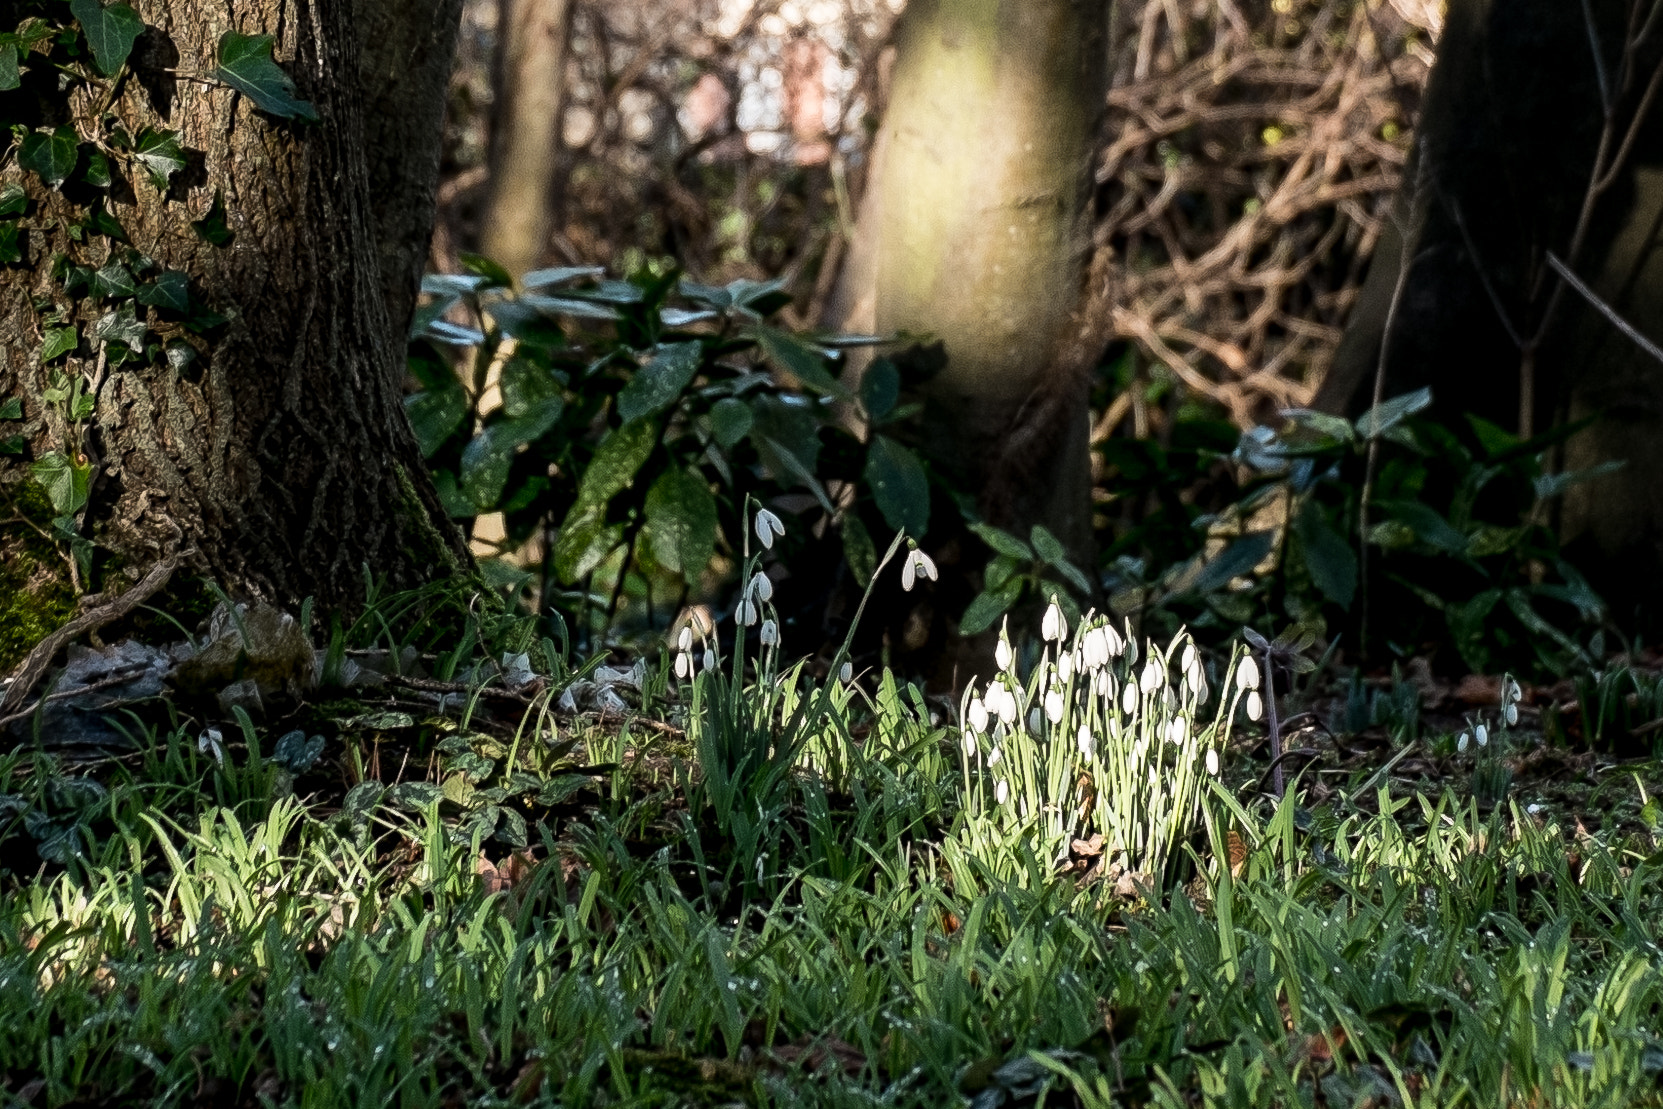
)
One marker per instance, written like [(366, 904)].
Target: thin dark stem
[(1604, 309), (1275, 728)]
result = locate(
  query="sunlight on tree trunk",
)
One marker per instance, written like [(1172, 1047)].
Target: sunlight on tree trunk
[(526, 146)]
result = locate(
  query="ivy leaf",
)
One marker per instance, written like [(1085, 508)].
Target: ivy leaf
[(170, 290), (246, 64), (12, 409), (65, 483), (102, 223), (681, 522), (10, 252), (212, 227), (730, 421), (121, 325), (50, 154), (9, 78), (160, 154), (13, 200), (110, 31), (112, 280), (899, 486), (656, 385)]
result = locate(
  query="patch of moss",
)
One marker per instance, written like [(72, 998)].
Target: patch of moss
[(36, 597)]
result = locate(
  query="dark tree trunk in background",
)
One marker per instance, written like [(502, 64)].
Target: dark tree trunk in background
[(281, 454), (1518, 156), (525, 144)]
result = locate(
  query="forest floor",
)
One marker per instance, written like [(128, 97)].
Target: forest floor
[(477, 890)]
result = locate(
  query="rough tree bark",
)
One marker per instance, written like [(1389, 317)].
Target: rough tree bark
[(973, 229), (280, 453), (525, 148), (1521, 153)]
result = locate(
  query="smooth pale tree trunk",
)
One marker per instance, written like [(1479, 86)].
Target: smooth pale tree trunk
[(973, 231), (1512, 128), (525, 146), (281, 455)]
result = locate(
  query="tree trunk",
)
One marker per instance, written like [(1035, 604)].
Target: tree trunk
[(976, 234), (1519, 154), (272, 443), (525, 146)]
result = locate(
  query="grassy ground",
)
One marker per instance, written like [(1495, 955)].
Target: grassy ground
[(773, 891)]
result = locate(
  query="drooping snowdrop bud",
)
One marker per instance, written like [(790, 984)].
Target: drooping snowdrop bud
[(1001, 792), (1129, 699), (1113, 641), (1195, 679), (1104, 686), (846, 672), (1178, 730), (684, 665), (1481, 735), (1512, 694), (1035, 719), (709, 661), (1151, 678), (994, 757), (1247, 675), (1212, 762), (1052, 626), (747, 613), (1087, 742), (1255, 705), (1188, 662), (1512, 715), (917, 565), (969, 743), (1065, 666), (1461, 744), (768, 528), (976, 715), (1002, 653), (770, 634), (762, 588), (1053, 706), (685, 640), (1007, 702)]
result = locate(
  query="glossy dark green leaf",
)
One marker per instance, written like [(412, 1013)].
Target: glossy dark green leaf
[(100, 222), (658, 384), (50, 155), (296, 753), (416, 795), (484, 469), (858, 549), (1003, 542), (9, 76), (681, 522), (730, 421), (1428, 525), (160, 154), (170, 290), (528, 387), (14, 201), (987, 607), (120, 325), (112, 280), (1389, 413), (434, 415), (899, 485), (97, 173), (246, 64), (797, 359), (1239, 558), (491, 271), (110, 31), (559, 275), (11, 408), (11, 251), (880, 388), (584, 541), (65, 483), (1328, 557), (787, 438), (616, 461), (213, 227)]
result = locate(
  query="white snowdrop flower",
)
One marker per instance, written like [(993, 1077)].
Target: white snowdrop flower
[(1255, 705), (1094, 648), (1086, 741), (1178, 730), (746, 615), (1035, 719), (917, 564), (1151, 678), (684, 665), (762, 588), (1105, 686), (995, 756), (768, 528), (770, 634), (1001, 792), (969, 743), (709, 660), (1052, 625), (1247, 675), (1461, 744), (212, 742), (1481, 735), (1007, 703), (976, 715), (846, 673), (1053, 706), (1195, 680), (1129, 699), (685, 640), (1212, 762), (1002, 654), (1188, 662), (1533, 809), (1512, 715), (1065, 666)]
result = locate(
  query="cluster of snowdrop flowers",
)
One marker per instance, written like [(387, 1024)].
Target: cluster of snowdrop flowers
[(1097, 736), (684, 651), (1478, 731)]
